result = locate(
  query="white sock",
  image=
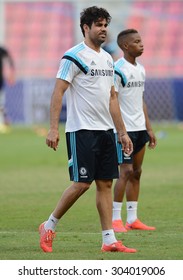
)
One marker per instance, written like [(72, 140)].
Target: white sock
[(51, 223), (108, 236), (131, 207), (116, 211)]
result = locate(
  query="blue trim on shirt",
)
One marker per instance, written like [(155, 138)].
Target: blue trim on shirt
[(123, 78)]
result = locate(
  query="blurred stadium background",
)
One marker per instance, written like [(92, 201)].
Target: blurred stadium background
[(37, 33)]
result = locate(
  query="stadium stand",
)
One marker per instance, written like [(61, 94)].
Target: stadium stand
[(37, 34), (35, 37), (159, 23)]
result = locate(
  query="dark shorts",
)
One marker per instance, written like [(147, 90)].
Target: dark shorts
[(139, 139), (92, 155)]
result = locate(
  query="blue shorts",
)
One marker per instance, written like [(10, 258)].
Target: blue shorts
[(139, 139), (92, 155)]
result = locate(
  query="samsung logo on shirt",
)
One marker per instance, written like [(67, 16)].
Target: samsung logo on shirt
[(135, 84), (101, 72)]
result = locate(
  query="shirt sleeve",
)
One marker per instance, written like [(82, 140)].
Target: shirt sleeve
[(67, 70)]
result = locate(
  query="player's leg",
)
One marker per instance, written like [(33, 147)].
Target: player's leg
[(68, 198), (132, 193), (104, 206), (104, 202), (119, 191), (106, 169), (3, 127), (133, 184), (81, 173), (1, 116), (125, 169)]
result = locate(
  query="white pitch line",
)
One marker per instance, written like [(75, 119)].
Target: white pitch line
[(58, 232)]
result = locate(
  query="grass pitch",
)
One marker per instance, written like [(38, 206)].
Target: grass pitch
[(32, 178)]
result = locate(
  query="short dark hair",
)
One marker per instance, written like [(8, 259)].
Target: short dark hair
[(124, 33), (93, 14)]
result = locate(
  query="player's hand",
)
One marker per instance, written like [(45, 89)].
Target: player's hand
[(52, 139), (153, 141), (127, 145)]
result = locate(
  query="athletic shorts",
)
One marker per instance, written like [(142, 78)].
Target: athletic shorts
[(138, 138), (92, 155)]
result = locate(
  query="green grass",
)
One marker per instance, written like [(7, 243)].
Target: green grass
[(32, 178)]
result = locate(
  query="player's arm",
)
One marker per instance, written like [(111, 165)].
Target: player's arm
[(153, 140), (10, 60), (8, 68), (119, 124), (52, 139)]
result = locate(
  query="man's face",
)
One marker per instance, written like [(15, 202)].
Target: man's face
[(98, 31), (135, 45)]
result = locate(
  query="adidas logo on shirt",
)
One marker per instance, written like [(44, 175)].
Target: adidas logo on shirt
[(132, 77), (93, 63)]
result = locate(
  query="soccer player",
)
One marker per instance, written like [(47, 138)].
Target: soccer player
[(6, 75), (129, 85), (86, 75)]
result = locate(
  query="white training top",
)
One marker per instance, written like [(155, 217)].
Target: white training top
[(129, 83), (91, 76)]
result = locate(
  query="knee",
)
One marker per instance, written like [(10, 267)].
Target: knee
[(86, 186), (105, 185), (127, 173), (108, 184), (137, 174), (83, 187)]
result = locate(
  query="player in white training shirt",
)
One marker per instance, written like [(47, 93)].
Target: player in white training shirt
[(129, 84), (86, 75), (91, 76)]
